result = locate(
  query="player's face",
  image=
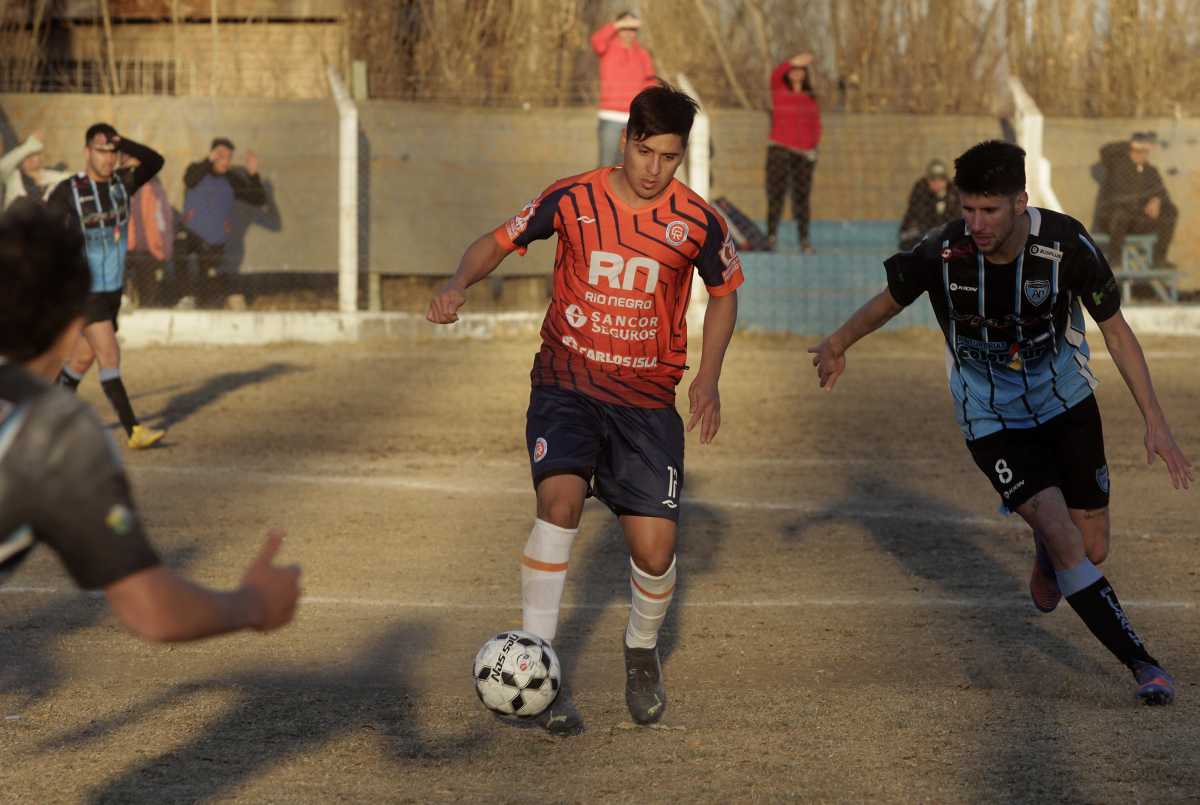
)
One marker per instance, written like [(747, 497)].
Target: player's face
[(937, 185), (1139, 153), (650, 163), (32, 165), (222, 158), (101, 157), (992, 219)]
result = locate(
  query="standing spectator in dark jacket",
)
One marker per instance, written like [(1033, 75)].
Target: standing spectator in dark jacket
[(1133, 199), (212, 186), (792, 148), (932, 203), (625, 70)]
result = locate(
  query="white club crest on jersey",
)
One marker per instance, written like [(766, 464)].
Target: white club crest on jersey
[(677, 232)]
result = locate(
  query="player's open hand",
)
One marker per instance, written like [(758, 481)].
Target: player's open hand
[(830, 363), (1160, 442), (704, 407), (443, 308), (251, 163), (274, 589)]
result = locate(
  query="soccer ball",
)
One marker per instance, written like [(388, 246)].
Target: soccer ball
[(517, 674)]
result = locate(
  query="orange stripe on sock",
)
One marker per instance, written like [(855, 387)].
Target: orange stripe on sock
[(648, 594), (549, 567)]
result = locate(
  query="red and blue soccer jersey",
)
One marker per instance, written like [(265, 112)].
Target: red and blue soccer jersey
[(616, 329)]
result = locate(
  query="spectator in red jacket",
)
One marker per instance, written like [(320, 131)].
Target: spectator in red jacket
[(625, 70), (792, 148)]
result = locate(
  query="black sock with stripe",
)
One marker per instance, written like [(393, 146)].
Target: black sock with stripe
[(1098, 606)]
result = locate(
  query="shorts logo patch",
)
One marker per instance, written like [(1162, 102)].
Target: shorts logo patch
[(677, 232), (540, 449), (1037, 291), (1038, 250), (1102, 479), (672, 488), (119, 520)]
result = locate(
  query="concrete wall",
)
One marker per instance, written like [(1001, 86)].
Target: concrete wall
[(296, 142), (435, 177)]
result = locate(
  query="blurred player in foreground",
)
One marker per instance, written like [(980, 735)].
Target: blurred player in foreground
[(1006, 283), (61, 480), (601, 418), (97, 203)]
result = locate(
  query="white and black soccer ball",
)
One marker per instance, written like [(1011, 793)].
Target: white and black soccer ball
[(517, 674)]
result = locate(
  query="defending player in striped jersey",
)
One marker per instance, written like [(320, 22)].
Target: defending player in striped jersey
[(1008, 284), (602, 417)]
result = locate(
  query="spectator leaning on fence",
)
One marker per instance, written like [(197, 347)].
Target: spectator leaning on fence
[(932, 203), (1133, 199), (212, 185), (792, 147), (626, 69), (23, 174)]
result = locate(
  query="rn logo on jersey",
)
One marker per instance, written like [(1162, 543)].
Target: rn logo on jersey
[(1102, 479), (620, 273), (677, 232), (1038, 250), (1037, 291), (540, 449), (575, 316)]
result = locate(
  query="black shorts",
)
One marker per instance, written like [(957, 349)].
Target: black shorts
[(102, 307), (1066, 452), (632, 458)]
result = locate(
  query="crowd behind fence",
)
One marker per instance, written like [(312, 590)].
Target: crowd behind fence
[(432, 177)]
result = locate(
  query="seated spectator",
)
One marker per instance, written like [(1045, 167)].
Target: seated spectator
[(212, 186), (1133, 199), (22, 173), (932, 203)]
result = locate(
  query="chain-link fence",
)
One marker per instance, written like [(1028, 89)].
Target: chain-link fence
[(470, 141)]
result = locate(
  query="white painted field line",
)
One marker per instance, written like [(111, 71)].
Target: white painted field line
[(837, 510), (848, 602)]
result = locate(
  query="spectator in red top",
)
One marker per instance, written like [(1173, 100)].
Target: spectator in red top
[(625, 70), (792, 148)]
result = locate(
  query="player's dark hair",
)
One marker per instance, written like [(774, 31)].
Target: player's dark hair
[(99, 128), (221, 141), (44, 279), (991, 168), (661, 109)]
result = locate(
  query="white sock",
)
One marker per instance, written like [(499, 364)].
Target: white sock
[(543, 576), (651, 599)]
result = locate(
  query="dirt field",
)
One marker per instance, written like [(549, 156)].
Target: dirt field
[(852, 621)]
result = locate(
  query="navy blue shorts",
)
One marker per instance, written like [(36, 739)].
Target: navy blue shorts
[(632, 458)]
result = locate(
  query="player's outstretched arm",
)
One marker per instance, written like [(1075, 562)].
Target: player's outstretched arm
[(1127, 354), (704, 398), (479, 260), (159, 604), (829, 356)]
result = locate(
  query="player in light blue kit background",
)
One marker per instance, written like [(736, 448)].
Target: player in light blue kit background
[(1008, 284), (97, 202)]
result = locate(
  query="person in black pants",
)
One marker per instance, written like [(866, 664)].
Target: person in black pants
[(792, 147), (1133, 199), (212, 186)]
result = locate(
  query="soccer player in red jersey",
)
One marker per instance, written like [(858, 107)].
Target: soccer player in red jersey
[(602, 417)]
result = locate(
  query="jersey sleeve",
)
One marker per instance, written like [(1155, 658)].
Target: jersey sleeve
[(1090, 277), (718, 262), (910, 273), (82, 508), (537, 220)]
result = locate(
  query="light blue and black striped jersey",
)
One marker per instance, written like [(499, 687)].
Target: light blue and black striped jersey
[(1016, 355)]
